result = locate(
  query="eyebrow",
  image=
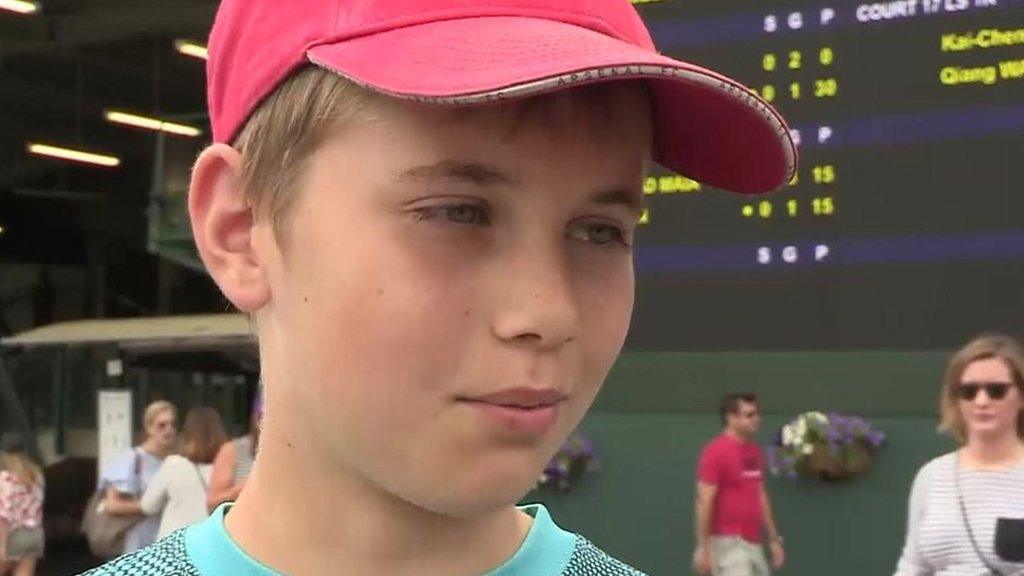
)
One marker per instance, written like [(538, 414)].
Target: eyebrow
[(476, 173), (488, 175), (633, 200)]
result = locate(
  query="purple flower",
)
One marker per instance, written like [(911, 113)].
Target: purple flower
[(773, 459), (876, 438), (835, 450), (835, 435), (575, 457)]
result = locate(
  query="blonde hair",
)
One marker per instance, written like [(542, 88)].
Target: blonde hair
[(285, 130), (23, 468), (154, 410), (984, 347)]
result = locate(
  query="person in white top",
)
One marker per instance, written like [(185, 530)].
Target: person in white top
[(178, 491)]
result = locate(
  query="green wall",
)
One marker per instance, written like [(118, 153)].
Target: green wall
[(658, 409)]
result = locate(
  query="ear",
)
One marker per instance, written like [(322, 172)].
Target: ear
[(223, 225)]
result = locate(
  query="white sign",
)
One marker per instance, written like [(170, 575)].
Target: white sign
[(114, 416)]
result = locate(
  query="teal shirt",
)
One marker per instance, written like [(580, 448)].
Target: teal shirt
[(206, 549)]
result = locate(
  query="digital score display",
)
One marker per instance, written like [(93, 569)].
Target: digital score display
[(904, 227)]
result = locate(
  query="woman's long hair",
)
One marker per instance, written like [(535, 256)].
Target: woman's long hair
[(202, 435)]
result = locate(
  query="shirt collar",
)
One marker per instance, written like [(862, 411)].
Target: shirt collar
[(546, 551)]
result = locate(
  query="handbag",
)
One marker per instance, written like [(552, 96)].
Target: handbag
[(106, 532), (1010, 539)]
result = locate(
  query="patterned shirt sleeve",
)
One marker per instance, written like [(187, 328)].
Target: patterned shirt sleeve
[(21, 505), (7, 488), (168, 557), (589, 560)]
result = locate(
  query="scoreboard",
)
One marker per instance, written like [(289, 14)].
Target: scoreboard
[(904, 226)]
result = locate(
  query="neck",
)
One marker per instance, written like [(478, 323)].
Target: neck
[(993, 452), (735, 434), (156, 449), (294, 498)]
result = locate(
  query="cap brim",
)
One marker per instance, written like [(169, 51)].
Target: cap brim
[(708, 127)]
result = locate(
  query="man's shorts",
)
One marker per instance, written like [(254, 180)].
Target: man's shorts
[(734, 556)]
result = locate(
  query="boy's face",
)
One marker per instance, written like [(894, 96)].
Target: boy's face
[(452, 289)]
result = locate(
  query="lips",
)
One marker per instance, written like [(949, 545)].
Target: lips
[(522, 398), (526, 412)]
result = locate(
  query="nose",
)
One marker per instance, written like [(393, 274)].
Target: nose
[(536, 303)]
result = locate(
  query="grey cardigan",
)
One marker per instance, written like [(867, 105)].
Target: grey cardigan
[(937, 542)]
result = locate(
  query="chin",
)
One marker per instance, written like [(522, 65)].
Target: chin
[(990, 431), (480, 494), (472, 505)]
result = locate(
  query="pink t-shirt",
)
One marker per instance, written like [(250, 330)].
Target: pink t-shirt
[(737, 469), (21, 505)]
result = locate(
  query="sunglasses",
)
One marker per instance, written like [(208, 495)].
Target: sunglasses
[(994, 390)]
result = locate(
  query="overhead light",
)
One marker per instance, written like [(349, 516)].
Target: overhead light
[(190, 48), (20, 6), (74, 155), (154, 124)]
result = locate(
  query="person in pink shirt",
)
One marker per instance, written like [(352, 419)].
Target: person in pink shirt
[(732, 503), (21, 508)]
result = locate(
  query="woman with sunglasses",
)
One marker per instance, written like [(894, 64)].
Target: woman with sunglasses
[(966, 513), (126, 478)]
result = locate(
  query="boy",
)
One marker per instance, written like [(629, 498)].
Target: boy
[(437, 260)]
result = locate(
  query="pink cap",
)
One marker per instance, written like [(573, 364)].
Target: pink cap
[(467, 52)]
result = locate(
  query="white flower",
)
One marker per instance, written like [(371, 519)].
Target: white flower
[(818, 418), (801, 427), (807, 449), (788, 436)]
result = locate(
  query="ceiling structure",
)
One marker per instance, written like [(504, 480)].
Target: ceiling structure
[(60, 69)]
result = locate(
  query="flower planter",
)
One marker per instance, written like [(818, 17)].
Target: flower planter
[(823, 447)]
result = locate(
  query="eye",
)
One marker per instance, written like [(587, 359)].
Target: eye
[(463, 214), (600, 234)]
